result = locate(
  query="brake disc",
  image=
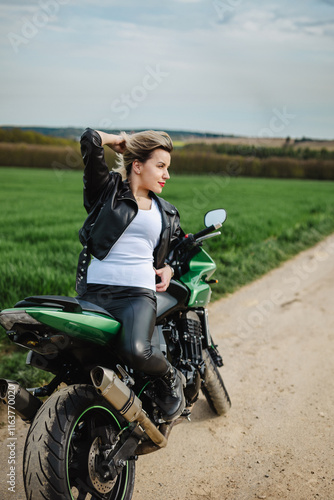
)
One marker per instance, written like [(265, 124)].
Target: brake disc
[(98, 482)]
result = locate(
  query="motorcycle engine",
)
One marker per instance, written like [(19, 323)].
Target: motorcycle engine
[(192, 364), (192, 337)]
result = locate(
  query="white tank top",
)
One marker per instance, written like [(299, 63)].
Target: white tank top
[(130, 260)]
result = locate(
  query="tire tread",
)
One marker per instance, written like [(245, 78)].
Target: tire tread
[(214, 388), (45, 450)]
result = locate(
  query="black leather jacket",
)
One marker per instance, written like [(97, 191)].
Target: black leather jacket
[(111, 207)]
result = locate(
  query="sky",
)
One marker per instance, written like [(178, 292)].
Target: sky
[(242, 67)]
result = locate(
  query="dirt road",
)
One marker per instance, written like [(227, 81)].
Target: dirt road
[(277, 442)]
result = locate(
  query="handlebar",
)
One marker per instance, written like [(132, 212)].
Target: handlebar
[(190, 241), (192, 238), (206, 231)]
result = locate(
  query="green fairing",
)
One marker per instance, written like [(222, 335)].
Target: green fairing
[(201, 267), (84, 326)]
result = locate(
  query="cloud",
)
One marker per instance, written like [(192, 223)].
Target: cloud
[(317, 28), (224, 73)]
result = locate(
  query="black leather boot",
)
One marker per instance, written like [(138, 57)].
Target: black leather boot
[(170, 397)]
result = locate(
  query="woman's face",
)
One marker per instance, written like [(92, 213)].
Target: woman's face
[(154, 172)]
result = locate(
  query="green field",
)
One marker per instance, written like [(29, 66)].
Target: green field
[(41, 213), (268, 221)]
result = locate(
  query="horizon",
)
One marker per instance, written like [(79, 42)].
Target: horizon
[(175, 130)]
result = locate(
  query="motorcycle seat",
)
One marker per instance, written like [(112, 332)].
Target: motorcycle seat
[(90, 307), (68, 304)]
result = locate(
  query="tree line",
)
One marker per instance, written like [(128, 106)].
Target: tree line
[(20, 148)]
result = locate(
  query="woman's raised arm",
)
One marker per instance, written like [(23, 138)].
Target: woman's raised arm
[(115, 142)]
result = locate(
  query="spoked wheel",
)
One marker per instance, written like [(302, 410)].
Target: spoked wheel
[(67, 447)]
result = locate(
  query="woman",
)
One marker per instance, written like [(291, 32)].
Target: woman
[(129, 232)]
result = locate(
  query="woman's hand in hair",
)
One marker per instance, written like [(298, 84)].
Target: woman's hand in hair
[(115, 142), (118, 144), (165, 274)]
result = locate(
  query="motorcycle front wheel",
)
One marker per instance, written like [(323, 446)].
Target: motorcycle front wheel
[(62, 452), (213, 387)]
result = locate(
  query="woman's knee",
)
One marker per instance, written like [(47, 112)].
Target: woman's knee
[(137, 354)]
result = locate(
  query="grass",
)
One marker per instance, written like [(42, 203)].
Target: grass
[(268, 222), (14, 367)]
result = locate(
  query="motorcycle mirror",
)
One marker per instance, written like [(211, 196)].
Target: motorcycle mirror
[(215, 217)]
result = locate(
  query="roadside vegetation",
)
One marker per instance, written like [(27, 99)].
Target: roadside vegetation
[(297, 159)]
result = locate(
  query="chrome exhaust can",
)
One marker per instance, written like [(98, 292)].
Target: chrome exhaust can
[(124, 400)]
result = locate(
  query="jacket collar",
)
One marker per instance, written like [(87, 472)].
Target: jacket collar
[(165, 205), (126, 192)]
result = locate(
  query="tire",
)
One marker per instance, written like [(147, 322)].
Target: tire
[(213, 387), (61, 449)]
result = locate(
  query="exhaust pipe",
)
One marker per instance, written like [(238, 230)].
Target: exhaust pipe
[(124, 400), (19, 399), (148, 446)]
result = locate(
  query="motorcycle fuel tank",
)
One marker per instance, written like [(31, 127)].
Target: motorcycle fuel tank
[(175, 298), (201, 267)]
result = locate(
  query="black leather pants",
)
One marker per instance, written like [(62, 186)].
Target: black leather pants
[(135, 309)]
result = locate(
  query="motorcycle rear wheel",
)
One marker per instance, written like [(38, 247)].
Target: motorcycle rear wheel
[(61, 449), (213, 387)]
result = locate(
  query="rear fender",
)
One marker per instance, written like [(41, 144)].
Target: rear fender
[(85, 326)]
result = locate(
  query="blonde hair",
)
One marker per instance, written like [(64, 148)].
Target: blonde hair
[(140, 146)]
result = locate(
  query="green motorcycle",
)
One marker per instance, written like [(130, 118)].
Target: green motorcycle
[(86, 436)]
